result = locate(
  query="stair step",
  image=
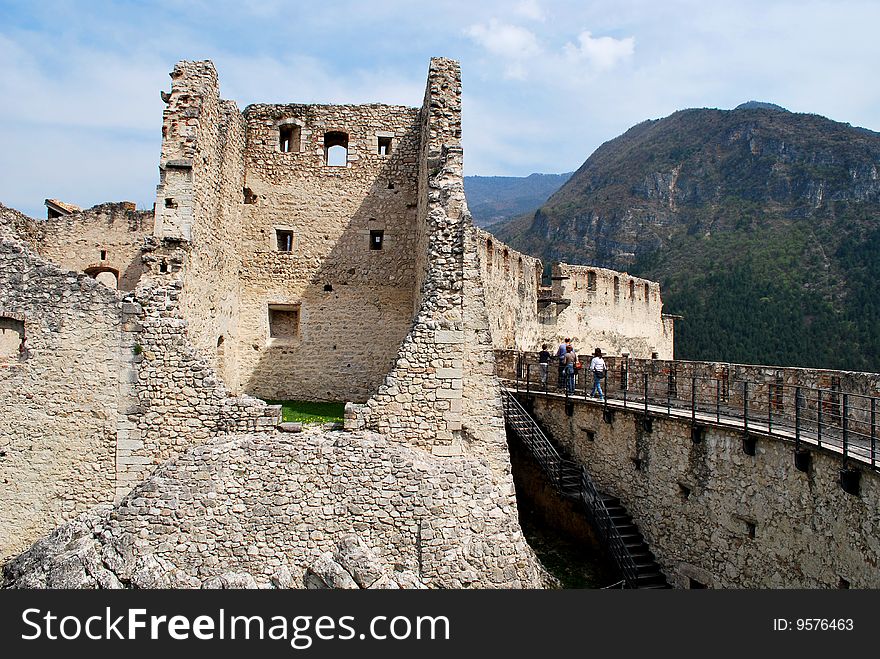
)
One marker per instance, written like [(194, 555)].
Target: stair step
[(569, 483)]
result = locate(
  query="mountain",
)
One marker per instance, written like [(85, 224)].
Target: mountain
[(763, 227), (492, 199), (759, 105)]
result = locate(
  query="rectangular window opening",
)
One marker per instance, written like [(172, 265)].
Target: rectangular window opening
[(384, 146), (284, 240), (377, 236), (591, 281), (289, 138), (11, 337), (103, 254), (283, 321)]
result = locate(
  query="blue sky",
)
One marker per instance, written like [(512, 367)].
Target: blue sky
[(545, 82)]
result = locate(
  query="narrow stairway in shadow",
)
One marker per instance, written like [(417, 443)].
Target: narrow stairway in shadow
[(608, 517)]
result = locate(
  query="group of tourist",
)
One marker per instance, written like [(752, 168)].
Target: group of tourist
[(569, 365)]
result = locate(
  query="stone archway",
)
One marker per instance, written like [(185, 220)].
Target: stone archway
[(104, 275)]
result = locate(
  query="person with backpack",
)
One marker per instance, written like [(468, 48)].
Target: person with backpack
[(597, 366)]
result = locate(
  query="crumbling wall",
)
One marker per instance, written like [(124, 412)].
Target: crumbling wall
[(420, 400), (176, 399), (512, 281), (59, 393), (104, 238), (612, 311), (265, 505), (17, 226), (198, 210), (353, 303)]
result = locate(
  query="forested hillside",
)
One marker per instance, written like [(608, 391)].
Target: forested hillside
[(762, 226)]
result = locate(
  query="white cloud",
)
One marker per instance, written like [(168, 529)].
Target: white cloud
[(530, 9), (505, 40), (602, 53), (516, 45)]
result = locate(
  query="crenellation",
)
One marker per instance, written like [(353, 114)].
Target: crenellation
[(277, 266)]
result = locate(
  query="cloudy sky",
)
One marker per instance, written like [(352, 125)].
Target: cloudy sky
[(545, 81)]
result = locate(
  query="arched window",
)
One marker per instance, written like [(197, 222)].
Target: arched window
[(336, 149), (490, 249), (632, 289)]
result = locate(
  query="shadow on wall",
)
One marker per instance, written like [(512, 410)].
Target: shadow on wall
[(339, 338)]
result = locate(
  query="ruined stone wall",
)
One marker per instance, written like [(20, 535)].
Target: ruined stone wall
[(175, 398), (420, 400), (265, 505), (482, 414), (198, 208), (58, 396), (581, 304), (17, 226), (612, 311), (511, 280), (714, 514), (104, 238), (353, 304)]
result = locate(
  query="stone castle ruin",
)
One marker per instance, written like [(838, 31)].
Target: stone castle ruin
[(310, 252)]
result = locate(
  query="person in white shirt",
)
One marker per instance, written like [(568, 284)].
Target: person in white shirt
[(598, 368)]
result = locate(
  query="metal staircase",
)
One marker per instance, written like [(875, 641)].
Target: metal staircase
[(607, 514)]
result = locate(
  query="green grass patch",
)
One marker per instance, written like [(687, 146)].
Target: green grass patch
[(305, 411)]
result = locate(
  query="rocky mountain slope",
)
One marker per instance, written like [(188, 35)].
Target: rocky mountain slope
[(495, 198), (762, 225)]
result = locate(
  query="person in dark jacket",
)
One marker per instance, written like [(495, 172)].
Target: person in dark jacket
[(544, 364)]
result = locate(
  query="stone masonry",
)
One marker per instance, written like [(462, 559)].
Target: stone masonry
[(593, 306), (297, 252), (58, 395), (105, 239), (725, 519), (266, 506)]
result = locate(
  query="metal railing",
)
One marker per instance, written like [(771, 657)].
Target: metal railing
[(843, 422), (533, 437), (553, 464), (608, 532)]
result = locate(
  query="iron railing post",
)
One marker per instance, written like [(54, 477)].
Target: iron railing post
[(646, 394), (797, 418), (873, 430), (770, 393), (845, 426), (819, 419), (717, 401), (528, 379), (587, 380), (693, 400), (745, 405)]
